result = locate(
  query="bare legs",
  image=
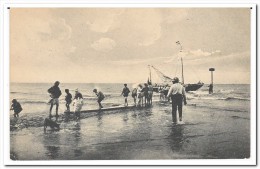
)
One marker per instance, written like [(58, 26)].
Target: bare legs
[(57, 108), (126, 102)]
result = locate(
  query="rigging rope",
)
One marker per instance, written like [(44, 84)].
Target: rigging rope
[(163, 77)]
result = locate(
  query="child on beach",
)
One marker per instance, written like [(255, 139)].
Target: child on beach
[(140, 94), (134, 94), (77, 103), (100, 96), (125, 93), (16, 107), (68, 99), (145, 91)]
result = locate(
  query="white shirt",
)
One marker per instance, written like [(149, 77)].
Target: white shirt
[(176, 88), (139, 90), (78, 103)]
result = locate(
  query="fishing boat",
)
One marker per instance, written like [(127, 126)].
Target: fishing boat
[(167, 81)]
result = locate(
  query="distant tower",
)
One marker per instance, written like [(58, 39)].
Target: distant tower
[(211, 84)]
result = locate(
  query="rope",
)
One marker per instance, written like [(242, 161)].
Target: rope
[(193, 71)]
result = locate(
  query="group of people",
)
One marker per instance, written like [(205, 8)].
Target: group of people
[(77, 102), (163, 91), (143, 93), (176, 92), (139, 93)]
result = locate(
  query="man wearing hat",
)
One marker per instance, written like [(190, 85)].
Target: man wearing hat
[(55, 93), (177, 93)]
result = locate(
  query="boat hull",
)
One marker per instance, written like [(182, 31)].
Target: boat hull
[(193, 87)]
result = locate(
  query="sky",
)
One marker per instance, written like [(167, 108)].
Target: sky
[(116, 45)]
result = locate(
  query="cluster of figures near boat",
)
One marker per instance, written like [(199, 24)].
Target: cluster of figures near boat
[(142, 95)]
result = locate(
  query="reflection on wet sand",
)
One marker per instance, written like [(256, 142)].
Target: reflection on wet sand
[(77, 136), (99, 118), (176, 139), (125, 117), (54, 139), (51, 141)]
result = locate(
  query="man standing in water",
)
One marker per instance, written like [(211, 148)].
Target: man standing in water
[(211, 88), (145, 90), (100, 96), (177, 93), (125, 93), (55, 93)]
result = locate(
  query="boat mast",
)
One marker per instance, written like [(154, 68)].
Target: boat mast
[(179, 43), (150, 74), (182, 71)]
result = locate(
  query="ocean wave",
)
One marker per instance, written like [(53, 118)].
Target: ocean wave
[(226, 91), (218, 92), (61, 101), (34, 102), (25, 93), (239, 117), (228, 98), (199, 92), (225, 98), (86, 95), (232, 91), (237, 98), (39, 102), (89, 97), (18, 92)]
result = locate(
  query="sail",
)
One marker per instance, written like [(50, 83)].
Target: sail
[(167, 80), (163, 77)]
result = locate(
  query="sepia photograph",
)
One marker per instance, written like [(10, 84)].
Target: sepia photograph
[(130, 83)]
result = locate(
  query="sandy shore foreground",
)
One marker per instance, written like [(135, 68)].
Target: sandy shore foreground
[(139, 134)]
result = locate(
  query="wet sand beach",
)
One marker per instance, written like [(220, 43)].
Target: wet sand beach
[(137, 134)]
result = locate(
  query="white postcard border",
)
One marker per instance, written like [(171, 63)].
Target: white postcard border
[(5, 89)]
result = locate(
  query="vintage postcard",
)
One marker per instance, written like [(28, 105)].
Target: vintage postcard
[(130, 84)]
